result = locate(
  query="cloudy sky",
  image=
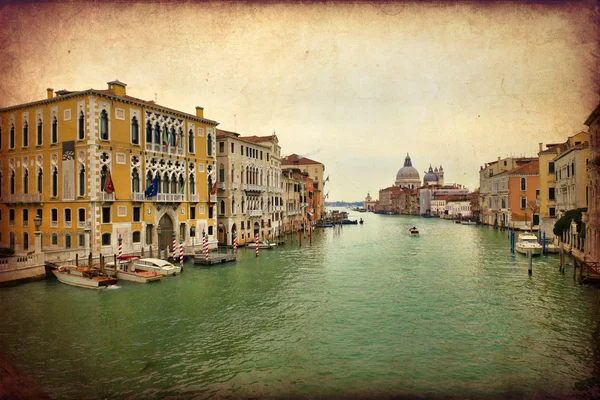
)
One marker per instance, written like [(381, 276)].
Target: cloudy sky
[(355, 86)]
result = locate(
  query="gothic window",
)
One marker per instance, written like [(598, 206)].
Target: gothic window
[(148, 132), (81, 126), (181, 184), (40, 132), (222, 207), (82, 181), (172, 137), (104, 125), (40, 182), (166, 183), (191, 141), (54, 130), (103, 177), (180, 140), (135, 181), (26, 181), (54, 189), (11, 137), (12, 182), (156, 133), (209, 145), (135, 131), (233, 205), (173, 184), (149, 178), (25, 134), (192, 184)]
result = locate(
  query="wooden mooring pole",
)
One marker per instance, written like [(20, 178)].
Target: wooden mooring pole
[(530, 255)]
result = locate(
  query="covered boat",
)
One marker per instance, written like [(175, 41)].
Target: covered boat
[(128, 272), (91, 278)]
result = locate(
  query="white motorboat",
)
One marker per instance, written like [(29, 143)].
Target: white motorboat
[(262, 245), (91, 278), (413, 231), (468, 222), (128, 272), (157, 265), (528, 242)]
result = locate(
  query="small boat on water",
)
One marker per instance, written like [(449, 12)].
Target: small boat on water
[(361, 221), (91, 278), (349, 222), (157, 265), (413, 231), (262, 245), (324, 225), (457, 221), (528, 242), (468, 222), (127, 271)]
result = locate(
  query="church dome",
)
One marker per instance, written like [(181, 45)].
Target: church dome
[(430, 176), (408, 176)]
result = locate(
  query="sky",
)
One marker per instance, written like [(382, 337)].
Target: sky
[(355, 86)]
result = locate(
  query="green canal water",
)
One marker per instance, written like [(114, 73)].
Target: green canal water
[(362, 311)]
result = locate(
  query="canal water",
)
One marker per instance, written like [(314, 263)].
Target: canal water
[(365, 310)]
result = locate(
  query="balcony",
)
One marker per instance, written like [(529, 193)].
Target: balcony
[(303, 205), (277, 208), (253, 188), (255, 213), (160, 148), (234, 186), (213, 198), (221, 185), (278, 190), (138, 197), (194, 198), (106, 196), (169, 197), (22, 198)]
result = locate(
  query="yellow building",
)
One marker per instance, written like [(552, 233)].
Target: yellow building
[(315, 171), (97, 165)]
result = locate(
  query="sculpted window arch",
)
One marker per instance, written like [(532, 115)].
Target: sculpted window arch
[(54, 184), (135, 131), (54, 130), (191, 141), (11, 137), (25, 181), (156, 133), (135, 181), (40, 181), (148, 132), (209, 145), (40, 130), (82, 180), (81, 126), (192, 184), (25, 134)]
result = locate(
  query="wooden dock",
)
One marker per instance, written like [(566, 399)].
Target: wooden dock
[(214, 258)]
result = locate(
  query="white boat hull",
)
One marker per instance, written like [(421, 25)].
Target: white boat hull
[(159, 266), (82, 281), (535, 250)]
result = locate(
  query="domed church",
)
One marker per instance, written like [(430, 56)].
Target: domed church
[(434, 177), (408, 176)]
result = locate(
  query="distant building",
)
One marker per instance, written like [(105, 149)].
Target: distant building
[(571, 174), (315, 171), (434, 177), (547, 195), (428, 193), (592, 217), (369, 203)]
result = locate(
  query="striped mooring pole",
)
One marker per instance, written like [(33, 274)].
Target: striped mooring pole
[(120, 246), (256, 240), (174, 246), (205, 246), (181, 253), (234, 243)]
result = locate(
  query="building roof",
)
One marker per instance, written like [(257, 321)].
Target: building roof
[(258, 139), (295, 159), (223, 134), (65, 94), (531, 168)]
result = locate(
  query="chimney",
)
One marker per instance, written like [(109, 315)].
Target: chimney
[(200, 112), (540, 147), (117, 88), (50, 92)]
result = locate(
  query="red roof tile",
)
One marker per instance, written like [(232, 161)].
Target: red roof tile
[(295, 159)]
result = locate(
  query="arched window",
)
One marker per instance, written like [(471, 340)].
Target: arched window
[(181, 184), (135, 181), (180, 140), (54, 182), (156, 133), (40, 182), (81, 126), (233, 205), (172, 137), (173, 184), (523, 184), (209, 145), (191, 141), (221, 173), (12, 182), (25, 134), (54, 130), (11, 137), (82, 180), (104, 125), (40, 132), (26, 181), (243, 206), (232, 173), (148, 132), (166, 183), (103, 177), (222, 207), (67, 241), (135, 131), (25, 241), (192, 184), (106, 239)]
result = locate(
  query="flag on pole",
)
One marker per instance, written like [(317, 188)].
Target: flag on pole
[(109, 187), (165, 137), (152, 190), (214, 189)]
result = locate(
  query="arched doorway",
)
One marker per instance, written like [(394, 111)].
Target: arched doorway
[(256, 229), (165, 232), (222, 234)]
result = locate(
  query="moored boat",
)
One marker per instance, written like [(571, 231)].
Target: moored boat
[(126, 270), (528, 242), (263, 245), (163, 267), (468, 222), (91, 278)]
